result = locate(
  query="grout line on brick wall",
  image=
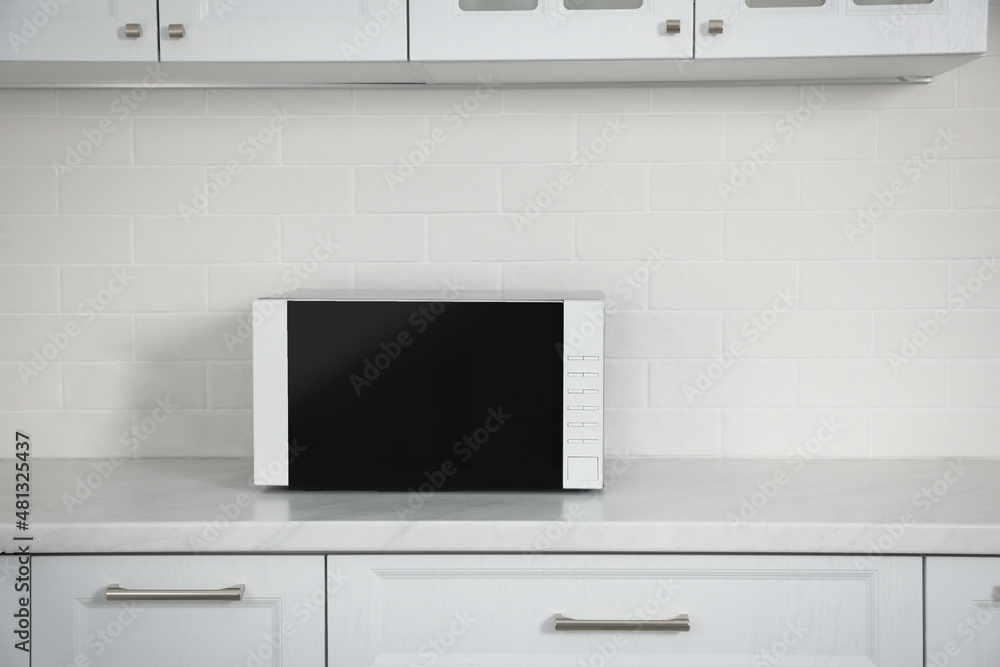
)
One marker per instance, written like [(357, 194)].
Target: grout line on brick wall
[(722, 236), (871, 325), (878, 127), (427, 237), (954, 92), (871, 434), (947, 384), (951, 185)]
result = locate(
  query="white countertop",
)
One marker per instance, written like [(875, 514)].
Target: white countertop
[(653, 505)]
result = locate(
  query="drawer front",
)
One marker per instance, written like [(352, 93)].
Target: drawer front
[(963, 612), (743, 610), (279, 621)]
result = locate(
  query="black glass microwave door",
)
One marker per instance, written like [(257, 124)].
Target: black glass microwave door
[(425, 396)]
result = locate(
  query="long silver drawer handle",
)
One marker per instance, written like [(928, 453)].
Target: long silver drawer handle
[(231, 594), (679, 624)]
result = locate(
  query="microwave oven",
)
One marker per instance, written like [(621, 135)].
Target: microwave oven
[(429, 391)]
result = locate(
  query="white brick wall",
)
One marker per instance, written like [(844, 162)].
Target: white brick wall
[(127, 281)]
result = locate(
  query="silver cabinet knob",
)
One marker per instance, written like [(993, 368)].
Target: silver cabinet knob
[(175, 30), (133, 30), (715, 27), (673, 27)]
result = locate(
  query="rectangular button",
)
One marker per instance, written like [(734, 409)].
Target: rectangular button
[(582, 391), (574, 358), (581, 424), (582, 468), (583, 441), (581, 407), (583, 375), (589, 358)]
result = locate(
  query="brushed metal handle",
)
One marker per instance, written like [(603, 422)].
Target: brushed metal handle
[(231, 594), (679, 624), (175, 31), (715, 27), (673, 27), (133, 30)]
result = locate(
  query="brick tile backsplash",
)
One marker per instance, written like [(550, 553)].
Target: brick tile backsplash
[(769, 267)]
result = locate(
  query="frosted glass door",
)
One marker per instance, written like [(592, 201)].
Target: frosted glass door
[(523, 30), (808, 28)]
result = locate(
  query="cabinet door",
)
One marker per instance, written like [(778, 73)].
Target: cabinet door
[(278, 621), (77, 30), (806, 28), (520, 30), (773, 611), (963, 612), (283, 30)]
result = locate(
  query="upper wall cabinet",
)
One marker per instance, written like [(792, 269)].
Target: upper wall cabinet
[(81, 30), (524, 30), (809, 28), (308, 31), (318, 42)]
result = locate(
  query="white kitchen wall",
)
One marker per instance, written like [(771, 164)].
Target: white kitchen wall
[(753, 306)]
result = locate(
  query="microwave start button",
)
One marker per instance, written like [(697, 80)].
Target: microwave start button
[(582, 468)]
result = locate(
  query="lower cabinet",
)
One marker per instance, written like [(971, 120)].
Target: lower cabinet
[(580, 610), (963, 612), (166, 611)]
